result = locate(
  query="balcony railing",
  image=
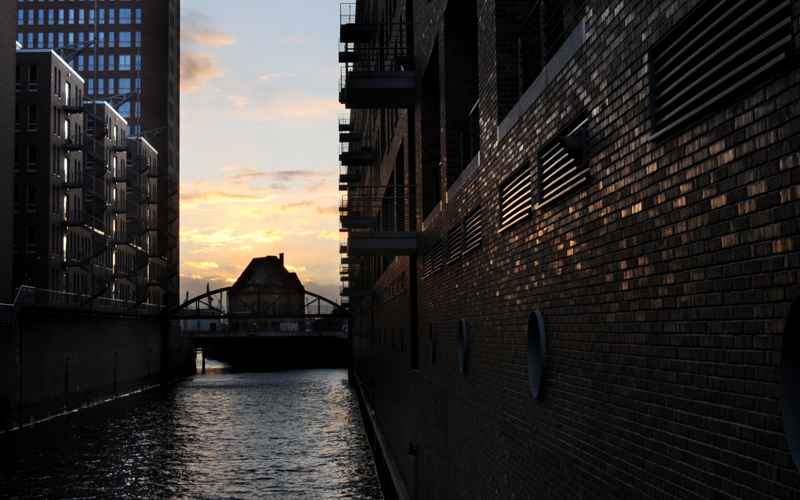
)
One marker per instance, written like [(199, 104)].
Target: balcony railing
[(378, 69), (379, 220)]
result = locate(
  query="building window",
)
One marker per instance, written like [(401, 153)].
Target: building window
[(110, 16), (101, 63), (124, 63), (31, 157), (33, 78), (81, 17), (80, 63), (111, 40), (71, 16), (101, 16), (124, 39), (33, 118), (124, 85), (138, 16), (60, 16), (138, 66), (111, 86), (124, 16), (91, 16), (30, 205), (40, 40), (30, 16), (138, 38), (30, 239), (90, 89), (111, 62), (21, 17), (50, 41), (51, 16), (41, 16)]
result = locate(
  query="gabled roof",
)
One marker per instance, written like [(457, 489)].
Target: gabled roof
[(267, 271)]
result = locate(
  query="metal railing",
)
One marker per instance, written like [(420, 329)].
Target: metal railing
[(378, 208), (544, 31), (388, 47), (51, 299)]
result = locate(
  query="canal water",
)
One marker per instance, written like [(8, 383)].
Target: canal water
[(286, 435)]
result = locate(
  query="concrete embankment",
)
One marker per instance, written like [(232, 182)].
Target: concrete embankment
[(56, 362)]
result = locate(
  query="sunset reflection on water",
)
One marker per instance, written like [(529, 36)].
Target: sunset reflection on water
[(293, 434)]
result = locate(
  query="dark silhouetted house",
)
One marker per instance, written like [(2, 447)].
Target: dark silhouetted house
[(267, 297)]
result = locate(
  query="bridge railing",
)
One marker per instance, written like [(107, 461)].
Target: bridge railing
[(51, 299), (223, 334)]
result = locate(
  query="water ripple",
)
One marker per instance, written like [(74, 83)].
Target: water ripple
[(293, 434)]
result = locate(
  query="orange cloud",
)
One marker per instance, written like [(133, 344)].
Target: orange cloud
[(296, 206), (203, 265), (331, 209), (195, 29), (274, 76), (197, 69), (237, 100)]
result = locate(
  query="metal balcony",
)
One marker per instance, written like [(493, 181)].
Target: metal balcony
[(379, 220), (357, 153), (378, 69)]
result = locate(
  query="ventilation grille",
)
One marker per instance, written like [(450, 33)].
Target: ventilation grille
[(720, 47), (454, 244), (472, 231), (563, 161), (397, 287), (433, 260), (515, 197)]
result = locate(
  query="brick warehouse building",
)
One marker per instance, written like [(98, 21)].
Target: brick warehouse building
[(570, 245), (134, 64)]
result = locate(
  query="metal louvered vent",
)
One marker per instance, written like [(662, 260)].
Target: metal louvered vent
[(427, 265), (438, 259), (563, 161), (472, 231), (515, 197), (433, 260), (454, 244), (721, 46)]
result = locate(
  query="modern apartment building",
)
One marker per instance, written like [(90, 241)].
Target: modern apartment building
[(133, 63), (570, 245), (8, 57)]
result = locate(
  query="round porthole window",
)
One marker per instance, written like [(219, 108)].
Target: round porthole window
[(462, 345), (536, 352), (432, 341), (790, 379)]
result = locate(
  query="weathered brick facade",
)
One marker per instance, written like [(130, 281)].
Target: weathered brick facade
[(664, 280)]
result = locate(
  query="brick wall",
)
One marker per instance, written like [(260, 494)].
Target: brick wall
[(664, 283)]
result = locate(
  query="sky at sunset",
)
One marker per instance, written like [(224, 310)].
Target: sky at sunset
[(259, 140)]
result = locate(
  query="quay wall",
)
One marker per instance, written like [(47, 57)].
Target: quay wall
[(52, 363)]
